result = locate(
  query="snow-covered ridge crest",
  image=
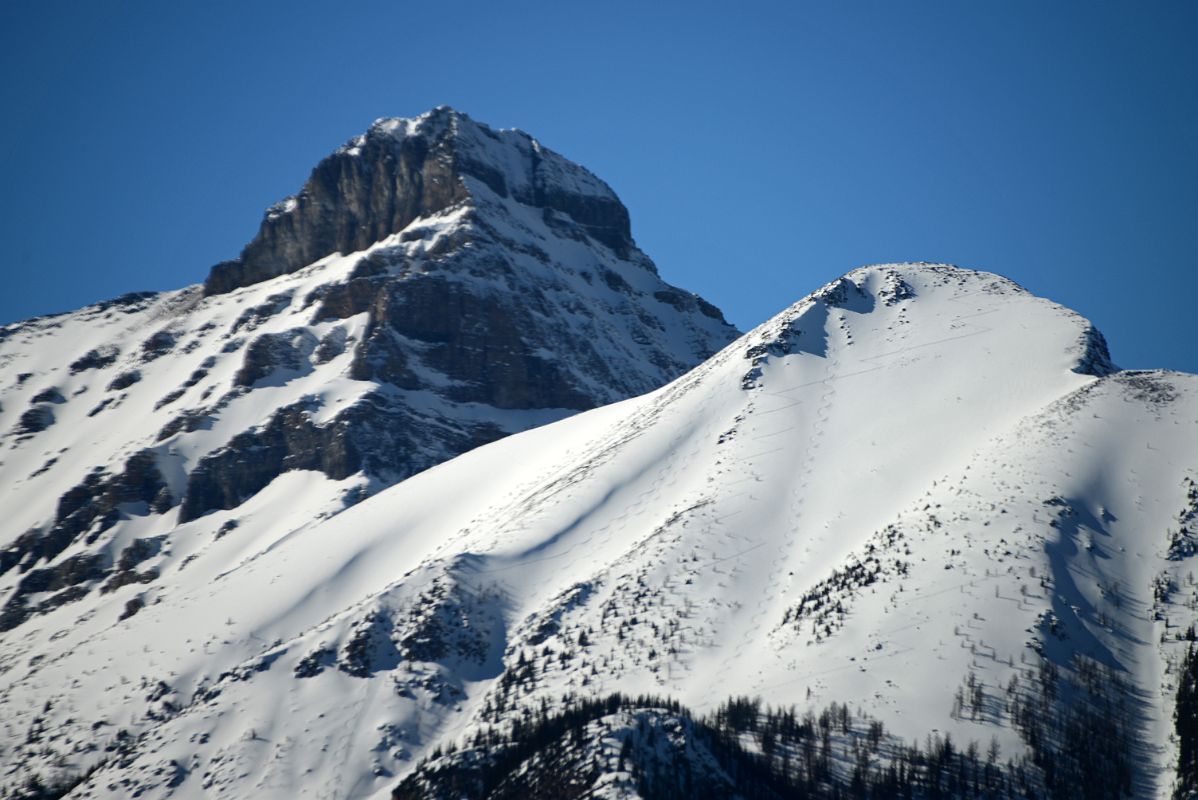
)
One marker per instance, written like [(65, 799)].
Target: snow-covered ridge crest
[(801, 327), (131, 420), (915, 504)]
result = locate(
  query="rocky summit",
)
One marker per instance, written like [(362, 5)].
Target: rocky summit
[(434, 286)]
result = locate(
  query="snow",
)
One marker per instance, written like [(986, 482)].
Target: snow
[(244, 595), (704, 510)]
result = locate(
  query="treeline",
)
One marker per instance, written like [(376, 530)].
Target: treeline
[(1185, 722), (37, 788), (495, 753), (1077, 733), (836, 754), (1079, 730)]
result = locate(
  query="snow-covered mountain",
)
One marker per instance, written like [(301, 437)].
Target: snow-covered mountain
[(920, 503), (436, 285)]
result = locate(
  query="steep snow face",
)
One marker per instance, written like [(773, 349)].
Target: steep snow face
[(489, 311), (436, 285), (918, 479)]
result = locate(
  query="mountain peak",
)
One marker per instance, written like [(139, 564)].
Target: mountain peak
[(402, 170), (867, 290), (900, 491), (435, 286), (433, 123)]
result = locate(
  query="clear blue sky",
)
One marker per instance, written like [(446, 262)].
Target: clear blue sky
[(762, 148)]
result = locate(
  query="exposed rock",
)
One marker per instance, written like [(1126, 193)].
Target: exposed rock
[(132, 606), (157, 345), (457, 310), (96, 358), (44, 468), (489, 358), (138, 551), (126, 577), (275, 351), (35, 420), (100, 406), (128, 303), (895, 290), (252, 317), (168, 398), (66, 576), (51, 395), (495, 287), (124, 380), (1095, 356), (331, 345), (400, 170), (688, 301), (376, 435), (1149, 388), (195, 377), (89, 504), (92, 507), (188, 421)]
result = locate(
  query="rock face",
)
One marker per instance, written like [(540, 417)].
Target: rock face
[(435, 285), (402, 170)]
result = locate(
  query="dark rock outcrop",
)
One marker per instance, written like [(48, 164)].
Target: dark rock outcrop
[(269, 352), (64, 578), (51, 395), (35, 420), (1095, 358), (381, 182), (476, 312), (376, 434), (96, 358), (476, 340), (125, 573), (158, 345), (91, 507), (124, 380)]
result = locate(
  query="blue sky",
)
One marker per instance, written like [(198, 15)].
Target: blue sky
[(762, 148)]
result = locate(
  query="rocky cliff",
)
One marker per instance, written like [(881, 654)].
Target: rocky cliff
[(401, 170), (435, 285)]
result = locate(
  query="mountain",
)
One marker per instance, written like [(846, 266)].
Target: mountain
[(919, 514), (436, 285)]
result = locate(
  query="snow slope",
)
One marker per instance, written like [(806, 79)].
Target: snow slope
[(481, 310), (916, 474)]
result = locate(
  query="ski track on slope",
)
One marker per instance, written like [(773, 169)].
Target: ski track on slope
[(784, 554)]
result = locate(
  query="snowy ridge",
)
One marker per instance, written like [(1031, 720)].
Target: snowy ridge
[(142, 436), (474, 321), (916, 490)]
